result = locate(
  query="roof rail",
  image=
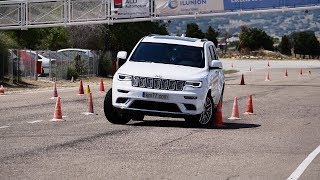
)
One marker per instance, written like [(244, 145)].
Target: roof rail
[(150, 35)]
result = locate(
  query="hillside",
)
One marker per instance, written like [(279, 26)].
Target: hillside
[(275, 23)]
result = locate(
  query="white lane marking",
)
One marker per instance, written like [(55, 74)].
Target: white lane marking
[(303, 166), (87, 113), (36, 121), (2, 127)]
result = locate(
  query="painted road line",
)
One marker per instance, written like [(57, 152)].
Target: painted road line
[(303, 166), (36, 121), (2, 127)]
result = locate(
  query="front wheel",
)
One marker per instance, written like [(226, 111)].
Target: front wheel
[(110, 112), (206, 118)]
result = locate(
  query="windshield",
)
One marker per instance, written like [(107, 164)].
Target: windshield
[(169, 54)]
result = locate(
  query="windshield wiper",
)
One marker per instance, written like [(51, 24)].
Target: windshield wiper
[(143, 61)]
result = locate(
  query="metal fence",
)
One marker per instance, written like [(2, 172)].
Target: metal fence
[(49, 65)]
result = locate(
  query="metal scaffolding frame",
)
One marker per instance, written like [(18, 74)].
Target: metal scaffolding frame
[(25, 14)]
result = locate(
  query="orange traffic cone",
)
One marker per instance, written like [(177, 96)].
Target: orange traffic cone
[(300, 72), (57, 112), (1, 90), (218, 123), (286, 73), (55, 92), (88, 91), (235, 110), (242, 80), (268, 76), (81, 91), (101, 86), (90, 103), (249, 107)]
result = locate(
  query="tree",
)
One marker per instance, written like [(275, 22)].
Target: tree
[(45, 38), (212, 35), (6, 43), (56, 38), (3, 57), (285, 46), (194, 31), (30, 39), (305, 43), (125, 36), (87, 36), (314, 46), (254, 39)]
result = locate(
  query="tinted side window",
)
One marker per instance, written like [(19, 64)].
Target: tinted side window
[(212, 53)]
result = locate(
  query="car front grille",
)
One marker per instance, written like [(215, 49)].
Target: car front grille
[(157, 83)]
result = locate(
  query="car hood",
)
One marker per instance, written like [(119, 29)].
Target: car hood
[(164, 71)]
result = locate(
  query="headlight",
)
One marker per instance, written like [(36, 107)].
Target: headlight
[(195, 84), (124, 77)]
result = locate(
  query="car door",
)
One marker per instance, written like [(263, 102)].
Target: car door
[(215, 75)]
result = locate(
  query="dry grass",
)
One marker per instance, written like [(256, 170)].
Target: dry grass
[(41, 83), (257, 55)]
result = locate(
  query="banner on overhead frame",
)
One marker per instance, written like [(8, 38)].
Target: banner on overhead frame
[(264, 4), (130, 8), (186, 7)]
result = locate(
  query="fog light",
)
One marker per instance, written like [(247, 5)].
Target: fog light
[(190, 97), (190, 107), (122, 100), (122, 91)]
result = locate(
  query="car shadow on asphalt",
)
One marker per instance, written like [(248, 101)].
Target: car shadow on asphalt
[(239, 126), (183, 124)]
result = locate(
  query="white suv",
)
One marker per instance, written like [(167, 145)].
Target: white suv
[(167, 76)]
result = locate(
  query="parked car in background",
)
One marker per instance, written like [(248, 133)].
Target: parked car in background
[(60, 58), (28, 58), (73, 52)]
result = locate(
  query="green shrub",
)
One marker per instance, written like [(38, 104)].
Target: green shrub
[(79, 65), (72, 72), (105, 64)]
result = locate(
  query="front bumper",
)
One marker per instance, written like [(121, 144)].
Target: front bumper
[(188, 102)]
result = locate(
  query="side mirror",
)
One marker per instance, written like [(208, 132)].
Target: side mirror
[(121, 58), (122, 55), (215, 64)]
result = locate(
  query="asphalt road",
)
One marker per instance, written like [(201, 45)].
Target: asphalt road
[(268, 145)]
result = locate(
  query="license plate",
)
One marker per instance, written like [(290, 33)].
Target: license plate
[(155, 96)]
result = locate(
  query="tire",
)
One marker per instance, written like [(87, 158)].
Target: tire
[(206, 118), (221, 97), (110, 112)]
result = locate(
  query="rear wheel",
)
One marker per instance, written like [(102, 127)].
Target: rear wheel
[(206, 118), (110, 112)]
